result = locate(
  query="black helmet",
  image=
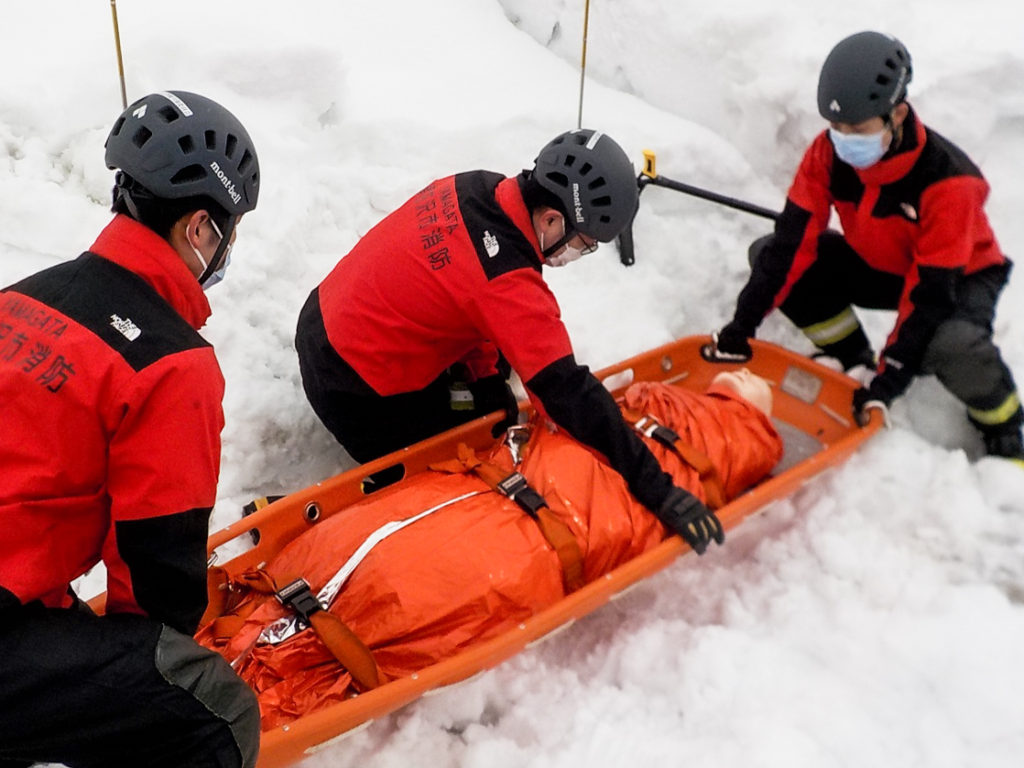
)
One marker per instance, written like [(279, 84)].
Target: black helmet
[(178, 144), (864, 76), (592, 177)]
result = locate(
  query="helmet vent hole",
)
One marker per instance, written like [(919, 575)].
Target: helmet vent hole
[(187, 145), (229, 148), (189, 174), (585, 169), (570, 161), (168, 113), (596, 183), (117, 127), (558, 178), (245, 162), (211, 140), (141, 136), (601, 202)]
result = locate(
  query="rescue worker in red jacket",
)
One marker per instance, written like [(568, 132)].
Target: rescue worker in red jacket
[(453, 277), (110, 405), (915, 239)]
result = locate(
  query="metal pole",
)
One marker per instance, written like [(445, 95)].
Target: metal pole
[(120, 61), (583, 62)]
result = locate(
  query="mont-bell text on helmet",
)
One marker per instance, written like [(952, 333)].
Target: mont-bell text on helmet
[(229, 185), (580, 218)]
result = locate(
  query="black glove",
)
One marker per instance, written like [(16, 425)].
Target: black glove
[(866, 398), (729, 345), (683, 513), (493, 393)]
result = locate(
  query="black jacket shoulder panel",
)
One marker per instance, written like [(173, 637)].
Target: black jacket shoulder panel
[(117, 305), (845, 185), (940, 159), (500, 245)]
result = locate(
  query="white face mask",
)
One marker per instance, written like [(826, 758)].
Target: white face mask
[(567, 255), (861, 150)]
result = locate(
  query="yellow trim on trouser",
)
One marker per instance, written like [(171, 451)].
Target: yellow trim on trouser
[(834, 329), (998, 415)]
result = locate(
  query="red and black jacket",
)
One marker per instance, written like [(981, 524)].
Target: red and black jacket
[(110, 403), (454, 275), (918, 214)]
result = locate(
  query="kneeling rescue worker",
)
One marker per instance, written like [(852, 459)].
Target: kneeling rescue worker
[(110, 403), (915, 239), (454, 278)]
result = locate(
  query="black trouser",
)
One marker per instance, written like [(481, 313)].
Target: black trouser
[(119, 690), (961, 354), (367, 424)]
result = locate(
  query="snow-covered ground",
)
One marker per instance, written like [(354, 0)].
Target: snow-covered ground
[(874, 618)]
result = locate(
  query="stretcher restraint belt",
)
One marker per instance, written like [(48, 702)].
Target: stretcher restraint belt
[(285, 627)]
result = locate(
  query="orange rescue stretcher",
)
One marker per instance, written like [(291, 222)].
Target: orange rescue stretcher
[(811, 412)]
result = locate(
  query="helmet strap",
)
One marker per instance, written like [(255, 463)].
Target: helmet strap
[(222, 246), (567, 235), (121, 192)]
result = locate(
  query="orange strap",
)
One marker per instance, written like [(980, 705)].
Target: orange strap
[(349, 650), (514, 485), (650, 427), (336, 636)]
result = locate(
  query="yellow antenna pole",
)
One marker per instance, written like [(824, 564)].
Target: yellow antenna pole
[(120, 61), (583, 61)]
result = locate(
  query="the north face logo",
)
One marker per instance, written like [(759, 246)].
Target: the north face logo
[(491, 244), (125, 327)]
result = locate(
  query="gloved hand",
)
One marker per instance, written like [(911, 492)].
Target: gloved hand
[(683, 513), (493, 393), (729, 345), (864, 399)]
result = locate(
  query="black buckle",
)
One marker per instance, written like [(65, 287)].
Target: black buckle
[(300, 598), (516, 488), (648, 426)]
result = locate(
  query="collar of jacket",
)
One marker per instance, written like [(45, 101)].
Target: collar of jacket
[(896, 167), (135, 247), (510, 198)]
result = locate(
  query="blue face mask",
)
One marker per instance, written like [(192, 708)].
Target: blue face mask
[(218, 274), (861, 150)]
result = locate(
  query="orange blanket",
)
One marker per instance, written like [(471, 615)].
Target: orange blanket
[(480, 565)]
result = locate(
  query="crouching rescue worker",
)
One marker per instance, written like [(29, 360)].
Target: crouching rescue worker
[(915, 239), (110, 403), (453, 277)]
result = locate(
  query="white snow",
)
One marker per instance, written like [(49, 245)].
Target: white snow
[(874, 618)]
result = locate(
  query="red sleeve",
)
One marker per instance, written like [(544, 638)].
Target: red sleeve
[(520, 315), (164, 460), (809, 193), (951, 217)]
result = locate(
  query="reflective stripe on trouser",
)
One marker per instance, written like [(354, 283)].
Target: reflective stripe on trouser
[(833, 330), (999, 415)]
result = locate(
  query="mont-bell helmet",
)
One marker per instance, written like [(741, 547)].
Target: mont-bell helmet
[(593, 178), (179, 144), (176, 144), (864, 76)]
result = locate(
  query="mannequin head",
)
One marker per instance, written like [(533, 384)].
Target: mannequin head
[(749, 386)]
